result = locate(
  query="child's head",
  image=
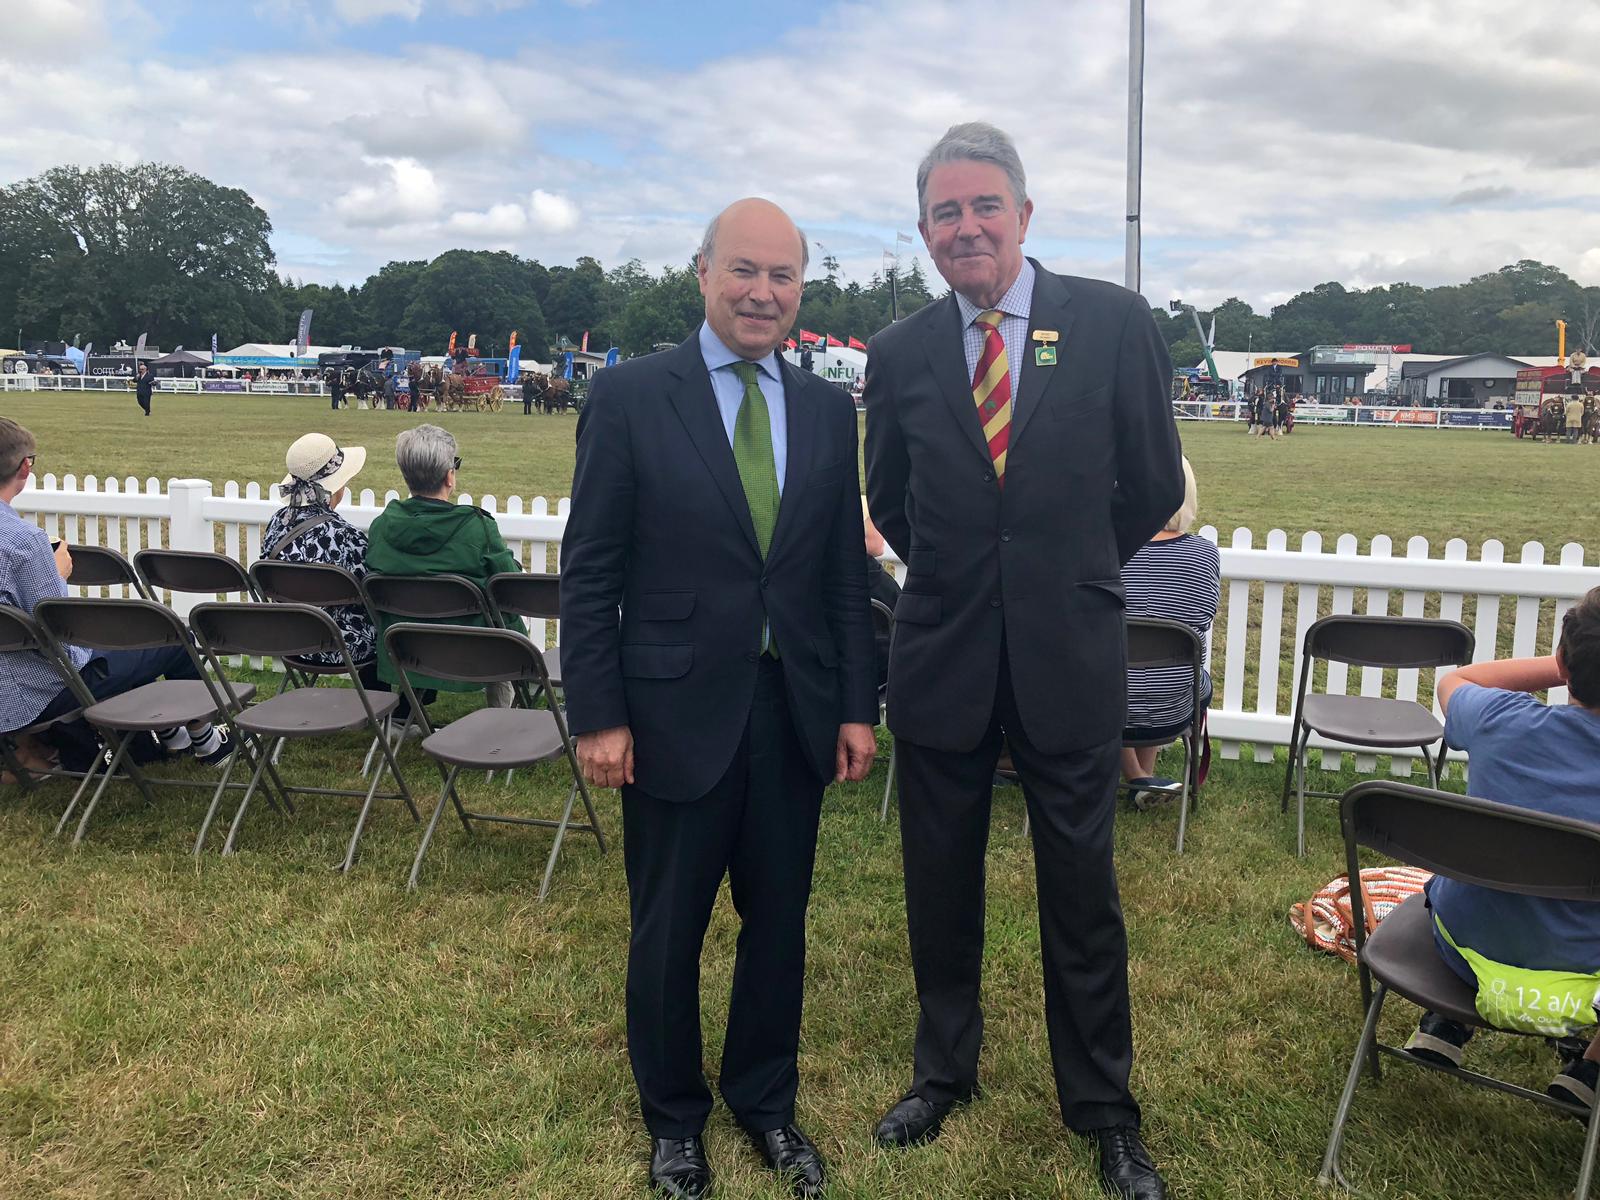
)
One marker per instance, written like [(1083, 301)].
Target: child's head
[(1580, 649)]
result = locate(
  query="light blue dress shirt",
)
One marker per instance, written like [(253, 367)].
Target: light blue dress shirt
[(729, 391), (1015, 306)]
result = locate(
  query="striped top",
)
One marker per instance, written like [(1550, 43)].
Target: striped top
[(1178, 579)]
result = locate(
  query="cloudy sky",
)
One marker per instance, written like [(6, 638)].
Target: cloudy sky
[(1286, 143)]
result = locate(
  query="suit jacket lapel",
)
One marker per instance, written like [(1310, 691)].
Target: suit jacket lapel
[(696, 405), (943, 342), (801, 422), (1051, 309)]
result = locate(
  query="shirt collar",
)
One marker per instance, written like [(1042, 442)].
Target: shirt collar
[(717, 355), (1017, 302)]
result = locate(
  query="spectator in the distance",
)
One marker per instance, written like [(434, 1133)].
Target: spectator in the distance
[(429, 534), (1177, 576), (1535, 962), (31, 688)]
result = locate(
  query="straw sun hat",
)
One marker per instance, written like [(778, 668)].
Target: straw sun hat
[(317, 458)]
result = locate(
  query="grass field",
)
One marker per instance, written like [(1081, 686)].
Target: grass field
[(264, 1027)]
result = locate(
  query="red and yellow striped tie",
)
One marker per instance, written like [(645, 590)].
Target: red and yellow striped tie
[(991, 391)]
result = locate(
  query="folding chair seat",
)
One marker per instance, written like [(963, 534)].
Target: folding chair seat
[(1476, 841), (536, 596), (1157, 642), (129, 624), (280, 630), (100, 566), (488, 738), (192, 572), (1376, 722)]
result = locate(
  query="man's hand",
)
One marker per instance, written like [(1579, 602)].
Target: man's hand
[(853, 756), (606, 756), (63, 560)]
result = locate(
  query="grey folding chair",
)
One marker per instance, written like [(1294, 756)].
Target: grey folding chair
[(488, 738), (279, 630), (1374, 722), (117, 624), (1155, 642), (1477, 841), (536, 596), (193, 572), (883, 626), (100, 566), (19, 634)]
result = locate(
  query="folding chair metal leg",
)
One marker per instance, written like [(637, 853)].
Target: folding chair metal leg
[(111, 770), (216, 801), (1300, 798), (433, 823), (888, 783), (263, 764), (1183, 797), (366, 806), (561, 832), (1591, 1142), (1330, 1172)]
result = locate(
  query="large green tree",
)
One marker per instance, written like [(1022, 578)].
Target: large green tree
[(117, 251)]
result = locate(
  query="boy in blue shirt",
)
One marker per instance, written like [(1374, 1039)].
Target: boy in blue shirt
[(1546, 758)]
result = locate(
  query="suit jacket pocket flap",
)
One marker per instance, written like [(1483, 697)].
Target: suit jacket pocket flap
[(663, 606), (918, 608), (656, 660)]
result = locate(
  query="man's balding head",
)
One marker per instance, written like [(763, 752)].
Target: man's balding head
[(751, 268)]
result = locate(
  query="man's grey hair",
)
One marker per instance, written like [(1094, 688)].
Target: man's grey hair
[(424, 454), (708, 245), (975, 141)]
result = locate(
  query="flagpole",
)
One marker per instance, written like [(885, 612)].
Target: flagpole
[(1135, 138)]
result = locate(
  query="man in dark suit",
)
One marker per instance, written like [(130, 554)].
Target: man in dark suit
[(1020, 448), (715, 501)]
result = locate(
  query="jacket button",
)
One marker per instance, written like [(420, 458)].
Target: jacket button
[(994, 601), (1005, 535), (752, 656)]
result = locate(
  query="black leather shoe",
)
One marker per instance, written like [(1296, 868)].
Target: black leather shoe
[(912, 1121), (793, 1158), (678, 1168), (1126, 1170)]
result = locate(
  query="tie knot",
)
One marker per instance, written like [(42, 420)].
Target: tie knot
[(989, 319), (747, 372)]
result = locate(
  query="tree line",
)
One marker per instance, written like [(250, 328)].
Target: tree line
[(110, 252)]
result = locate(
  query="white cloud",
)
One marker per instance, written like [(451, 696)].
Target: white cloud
[(1405, 143), (552, 213)]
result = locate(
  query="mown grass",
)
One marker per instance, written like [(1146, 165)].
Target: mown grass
[(261, 1026)]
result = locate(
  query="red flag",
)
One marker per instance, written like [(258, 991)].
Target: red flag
[(788, 343), (833, 341), (857, 344), (808, 338)]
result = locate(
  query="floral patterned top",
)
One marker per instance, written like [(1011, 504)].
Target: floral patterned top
[(335, 542)]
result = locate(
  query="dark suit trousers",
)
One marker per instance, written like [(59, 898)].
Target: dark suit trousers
[(759, 827), (944, 835)]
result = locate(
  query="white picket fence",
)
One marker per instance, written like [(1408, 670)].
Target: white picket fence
[(1271, 593)]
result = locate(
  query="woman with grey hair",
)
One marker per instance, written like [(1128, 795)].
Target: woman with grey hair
[(1177, 576), (429, 534)]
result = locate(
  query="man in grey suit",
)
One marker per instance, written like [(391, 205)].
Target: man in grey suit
[(1020, 447)]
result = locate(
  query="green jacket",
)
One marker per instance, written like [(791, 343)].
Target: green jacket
[(422, 536)]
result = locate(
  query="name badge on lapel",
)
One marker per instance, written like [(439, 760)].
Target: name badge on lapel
[(1044, 354)]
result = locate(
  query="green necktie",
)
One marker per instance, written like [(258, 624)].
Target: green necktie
[(752, 454)]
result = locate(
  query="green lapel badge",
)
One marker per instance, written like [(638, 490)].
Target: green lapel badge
[(1044, 356)]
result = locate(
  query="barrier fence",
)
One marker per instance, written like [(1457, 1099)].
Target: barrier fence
[(1376, 415), (1271, 592)]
